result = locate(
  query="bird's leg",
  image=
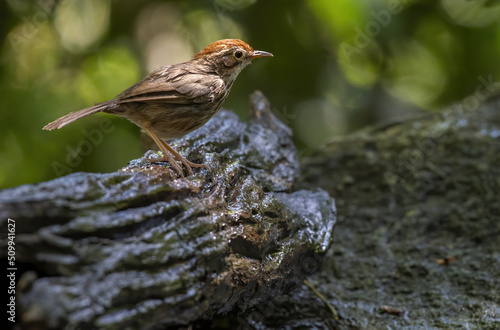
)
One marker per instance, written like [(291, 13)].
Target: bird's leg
[(183, 160), (166, 155)]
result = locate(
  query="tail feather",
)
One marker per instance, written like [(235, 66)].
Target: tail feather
[(72, 116)]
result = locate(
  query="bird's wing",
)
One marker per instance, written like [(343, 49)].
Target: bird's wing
[(174, 84)]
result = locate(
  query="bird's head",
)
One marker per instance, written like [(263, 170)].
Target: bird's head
[(230, 56)]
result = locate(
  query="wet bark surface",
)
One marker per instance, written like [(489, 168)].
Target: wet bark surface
[(416, 244), (142, 249), (418, 239)]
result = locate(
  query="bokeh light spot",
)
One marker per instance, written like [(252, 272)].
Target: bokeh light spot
[(469, 13), (415, 75), (81, 23)]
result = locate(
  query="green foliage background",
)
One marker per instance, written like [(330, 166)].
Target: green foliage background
[(338, 66)]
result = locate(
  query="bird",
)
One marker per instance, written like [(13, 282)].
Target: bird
[(176, 99)]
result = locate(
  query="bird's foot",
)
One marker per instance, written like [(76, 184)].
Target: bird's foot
[(176, 165)]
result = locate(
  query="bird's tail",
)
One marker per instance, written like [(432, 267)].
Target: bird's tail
[(72, 116)]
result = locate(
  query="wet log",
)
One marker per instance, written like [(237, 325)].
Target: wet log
[(417, 243), (141, 248)]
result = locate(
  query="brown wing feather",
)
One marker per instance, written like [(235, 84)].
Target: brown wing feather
[(175, 84), (147, 85)]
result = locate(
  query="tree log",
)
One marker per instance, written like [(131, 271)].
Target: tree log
[(417, 244), (141, 249)]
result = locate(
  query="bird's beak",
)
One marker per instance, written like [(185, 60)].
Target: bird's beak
[(260, 53)]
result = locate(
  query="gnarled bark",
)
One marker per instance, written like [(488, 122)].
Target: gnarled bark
[(141, 248)]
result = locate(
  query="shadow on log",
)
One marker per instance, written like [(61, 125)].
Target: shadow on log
[(140, 248)]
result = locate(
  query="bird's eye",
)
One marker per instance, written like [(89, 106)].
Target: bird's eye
[(238, 54)]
